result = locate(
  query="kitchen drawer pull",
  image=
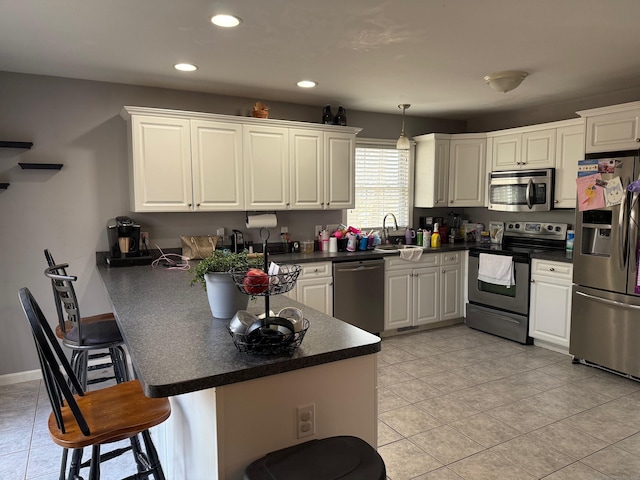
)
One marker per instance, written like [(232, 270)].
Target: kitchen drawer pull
[(551, 269), (609, 302)]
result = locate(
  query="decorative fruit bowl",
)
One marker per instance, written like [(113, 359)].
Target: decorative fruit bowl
[(255, 282), (271, 336)]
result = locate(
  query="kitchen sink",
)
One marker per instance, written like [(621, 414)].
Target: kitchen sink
[(393, 248)]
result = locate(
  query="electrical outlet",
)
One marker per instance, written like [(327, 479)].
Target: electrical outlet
[(144, 238), (318, 230), (332, 227), (306, 420), (220, 232), (284, 229)]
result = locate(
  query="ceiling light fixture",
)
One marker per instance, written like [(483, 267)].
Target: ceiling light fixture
[(226, 21), (505, 81), (403, 142), (185, 67), (306, 84)]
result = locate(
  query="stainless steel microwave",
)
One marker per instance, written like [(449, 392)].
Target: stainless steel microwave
[(522, 190)]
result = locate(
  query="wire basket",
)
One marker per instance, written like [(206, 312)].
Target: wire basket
[(268, 341), (263, 284)]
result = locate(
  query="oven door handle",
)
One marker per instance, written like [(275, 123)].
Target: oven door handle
[(528, 194), (608, 302)]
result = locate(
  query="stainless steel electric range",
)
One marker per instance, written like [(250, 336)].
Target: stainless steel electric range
[(503, 310)]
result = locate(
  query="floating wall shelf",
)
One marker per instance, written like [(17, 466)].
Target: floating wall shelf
[(24, 145), (40, 166)]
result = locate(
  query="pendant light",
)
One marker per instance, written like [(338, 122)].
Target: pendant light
[(403, 142)]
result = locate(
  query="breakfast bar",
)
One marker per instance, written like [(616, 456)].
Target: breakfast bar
[(230, 408)]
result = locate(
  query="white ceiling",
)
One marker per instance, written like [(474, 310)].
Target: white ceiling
[(367, 55)]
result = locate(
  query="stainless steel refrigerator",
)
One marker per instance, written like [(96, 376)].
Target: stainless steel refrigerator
[(605, 317)]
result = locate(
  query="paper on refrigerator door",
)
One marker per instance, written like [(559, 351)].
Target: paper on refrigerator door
[(613, 192), (590, 194)]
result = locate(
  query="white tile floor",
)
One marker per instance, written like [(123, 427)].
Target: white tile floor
[(454, 404)]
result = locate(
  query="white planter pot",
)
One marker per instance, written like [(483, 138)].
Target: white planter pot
[(224, 297)]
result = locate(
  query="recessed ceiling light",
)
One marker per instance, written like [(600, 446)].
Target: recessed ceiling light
[(227, 21), (185, 67), (307, 83)]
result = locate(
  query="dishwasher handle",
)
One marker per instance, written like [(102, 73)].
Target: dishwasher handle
[(360, 268)]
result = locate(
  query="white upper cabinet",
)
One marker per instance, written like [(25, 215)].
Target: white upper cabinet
[(266, 162), (507, 152), (467, 170), (160, 164), (217, 166), (569, 150), (612, 128), (533, 148), (539, 149), (432, 170), (306, 169), (190, 161), (340, 168)]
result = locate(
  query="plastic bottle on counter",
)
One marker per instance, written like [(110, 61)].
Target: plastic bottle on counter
[(419, 236), (426, 240), (570, 237), (435, 237)]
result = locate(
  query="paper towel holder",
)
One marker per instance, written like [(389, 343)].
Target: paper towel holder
[(253, 219)]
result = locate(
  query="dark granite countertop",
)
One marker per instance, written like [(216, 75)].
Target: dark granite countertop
[(177, 346)]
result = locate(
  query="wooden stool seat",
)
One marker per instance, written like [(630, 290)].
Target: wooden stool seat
[(112, 414)]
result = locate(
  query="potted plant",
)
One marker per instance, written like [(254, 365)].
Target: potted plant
[(225, 299)]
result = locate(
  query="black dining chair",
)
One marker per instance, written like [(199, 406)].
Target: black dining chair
[(93, 418), (88, 337)]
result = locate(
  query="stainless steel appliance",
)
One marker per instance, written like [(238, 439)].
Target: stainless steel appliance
[(358, 294), (605, 317), (237, 241), (504, 310), (522, 190)]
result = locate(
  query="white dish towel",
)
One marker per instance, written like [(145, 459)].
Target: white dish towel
[(411, 254), (496, 269)]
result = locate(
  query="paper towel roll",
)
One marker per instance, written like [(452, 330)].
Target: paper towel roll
[(266, 220)]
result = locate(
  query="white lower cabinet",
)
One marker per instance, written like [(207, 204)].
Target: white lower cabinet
[(550, 309), (423, 292), (314, 287)]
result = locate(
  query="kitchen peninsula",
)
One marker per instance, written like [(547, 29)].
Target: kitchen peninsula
[(230, 408)]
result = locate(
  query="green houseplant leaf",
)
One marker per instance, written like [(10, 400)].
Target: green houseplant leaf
[(221, 261)]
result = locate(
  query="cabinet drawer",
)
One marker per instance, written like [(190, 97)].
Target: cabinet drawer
[(558, 270), (450, 258), (315, 270), (427, 260)]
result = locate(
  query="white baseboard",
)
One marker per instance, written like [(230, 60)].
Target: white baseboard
[(29, 375), (20, 377)]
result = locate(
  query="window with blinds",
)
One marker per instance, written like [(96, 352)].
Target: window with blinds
[(381, 186)]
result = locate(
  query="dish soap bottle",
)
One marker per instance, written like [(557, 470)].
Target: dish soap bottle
[(435, 237)]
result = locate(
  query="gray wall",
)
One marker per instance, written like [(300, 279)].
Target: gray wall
[(77, 123), (550, 112)]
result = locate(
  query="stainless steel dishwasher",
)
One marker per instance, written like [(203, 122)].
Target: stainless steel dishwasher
[(358, 293)]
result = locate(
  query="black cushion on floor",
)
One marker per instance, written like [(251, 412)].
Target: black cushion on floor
[(333, 458)]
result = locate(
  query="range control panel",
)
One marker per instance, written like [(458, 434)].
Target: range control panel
[(551, 231)]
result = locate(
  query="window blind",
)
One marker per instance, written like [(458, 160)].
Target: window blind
[(381, 186)]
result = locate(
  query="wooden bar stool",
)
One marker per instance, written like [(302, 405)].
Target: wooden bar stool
[(97, 417), (88, 337)]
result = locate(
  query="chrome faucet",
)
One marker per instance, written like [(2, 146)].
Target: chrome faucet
[(385, 230)]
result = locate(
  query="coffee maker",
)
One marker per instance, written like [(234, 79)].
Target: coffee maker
[(124, 237)]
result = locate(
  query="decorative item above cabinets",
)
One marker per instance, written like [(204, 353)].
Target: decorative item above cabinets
[(194, 162)]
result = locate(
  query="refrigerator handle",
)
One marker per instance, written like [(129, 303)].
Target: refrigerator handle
[(608, 302), (633, 225), (623, 229), (528, 193)]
